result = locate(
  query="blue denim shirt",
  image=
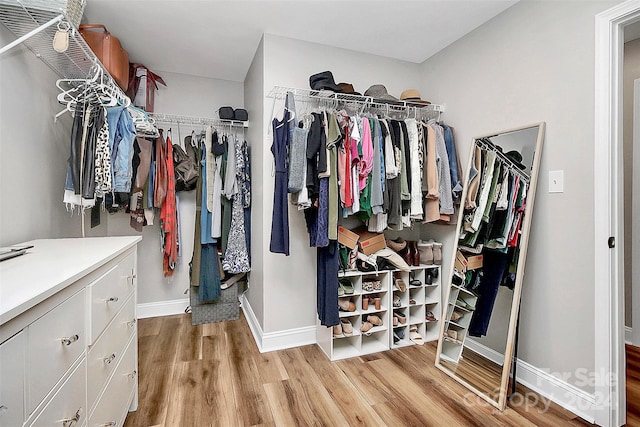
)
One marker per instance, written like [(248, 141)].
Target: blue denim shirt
[(122, 134), (453, 162)]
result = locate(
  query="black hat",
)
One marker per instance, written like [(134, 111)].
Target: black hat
[(322, 81), (516, 158)]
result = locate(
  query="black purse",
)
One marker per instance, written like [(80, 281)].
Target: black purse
[(225, 113)]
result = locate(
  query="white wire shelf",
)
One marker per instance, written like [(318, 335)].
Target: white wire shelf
[(75, 63), (190, 120), (325, 97)]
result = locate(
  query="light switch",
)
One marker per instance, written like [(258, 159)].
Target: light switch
[(556, 181)]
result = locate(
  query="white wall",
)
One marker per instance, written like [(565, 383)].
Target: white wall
[(535, 62), (33, 150), (189, 96)]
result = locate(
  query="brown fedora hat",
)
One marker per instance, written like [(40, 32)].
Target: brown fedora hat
[(413, 96), (348, 89)]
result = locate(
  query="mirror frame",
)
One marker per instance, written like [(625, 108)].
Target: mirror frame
[(517, 290)]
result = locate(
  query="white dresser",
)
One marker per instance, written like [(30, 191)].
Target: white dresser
[(68, 333)]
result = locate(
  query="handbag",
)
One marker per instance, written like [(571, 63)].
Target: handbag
[(225, 113), (109, 51), (240, 114), (185, 164)]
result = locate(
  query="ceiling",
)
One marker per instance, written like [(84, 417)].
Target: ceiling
[(218, 38)]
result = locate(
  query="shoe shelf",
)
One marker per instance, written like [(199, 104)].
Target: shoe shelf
[(370, 296), (420, 295), (460, 307)]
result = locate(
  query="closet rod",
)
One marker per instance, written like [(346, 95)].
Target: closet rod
[(487, 144), (280, 92), (190, 120)]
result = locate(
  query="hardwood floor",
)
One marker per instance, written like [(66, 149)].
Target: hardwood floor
[(633, 386), (213, 375)]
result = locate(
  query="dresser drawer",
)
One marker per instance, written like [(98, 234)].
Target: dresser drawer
[(107, 352), (114, 402), (56, 340), (12, 381), (67, 404), (108, 293)]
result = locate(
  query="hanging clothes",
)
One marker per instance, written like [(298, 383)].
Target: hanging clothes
[(168, 215), (279, 242), (236, 256)]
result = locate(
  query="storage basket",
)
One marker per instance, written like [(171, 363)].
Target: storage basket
[(223, 309), (72, 9)]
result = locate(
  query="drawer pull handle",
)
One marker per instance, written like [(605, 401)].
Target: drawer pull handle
[(69, 340), (108, 360), (112, 299), (109, 424), (131, 323), (131, 280), (3, 409), (132, 375), (70, 422)]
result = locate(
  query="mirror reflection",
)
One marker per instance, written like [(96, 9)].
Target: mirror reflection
[(477, 336)]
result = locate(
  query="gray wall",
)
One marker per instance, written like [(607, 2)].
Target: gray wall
[(189, 96), (33, 150), (535, 62), (254, 101), (33, 162), (291, 281)]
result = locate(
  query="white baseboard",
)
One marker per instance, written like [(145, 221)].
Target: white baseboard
[(484, 351), (559, 391), (628, 334), (546, 385), (279, 340), (162, 308)]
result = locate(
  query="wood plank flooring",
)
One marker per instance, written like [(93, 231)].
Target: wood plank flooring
[(213, 375), (633, 386)]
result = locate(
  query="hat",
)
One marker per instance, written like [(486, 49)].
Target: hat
[(516, 158), (323, 80), (412, 95), (348, 89), (379, 92)]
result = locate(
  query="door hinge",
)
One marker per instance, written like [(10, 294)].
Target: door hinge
[(612, 242)]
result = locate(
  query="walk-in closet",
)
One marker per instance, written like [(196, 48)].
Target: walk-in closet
[(242, 213)]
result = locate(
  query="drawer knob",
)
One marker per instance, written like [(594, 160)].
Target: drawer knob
[(131, 280), (3, 409), (70, 422), (132, 375), (131, 323), (111, 299), (108, 360), (69, 340)]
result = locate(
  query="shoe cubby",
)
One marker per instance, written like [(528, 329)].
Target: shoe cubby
[(413, 299), (371, 296), (460, 307), (422, 296)]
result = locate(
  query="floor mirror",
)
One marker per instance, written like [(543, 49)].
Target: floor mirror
[(484, 284)]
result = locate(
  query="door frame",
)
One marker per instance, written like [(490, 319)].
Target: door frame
[(609, 373), (635, 213)]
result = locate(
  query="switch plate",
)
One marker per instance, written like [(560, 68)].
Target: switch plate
[(556, 181)]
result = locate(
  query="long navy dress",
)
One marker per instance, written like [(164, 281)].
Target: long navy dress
[(280, 220)]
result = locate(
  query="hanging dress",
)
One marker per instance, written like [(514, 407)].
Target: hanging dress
[(279, 242), (236, 257)]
